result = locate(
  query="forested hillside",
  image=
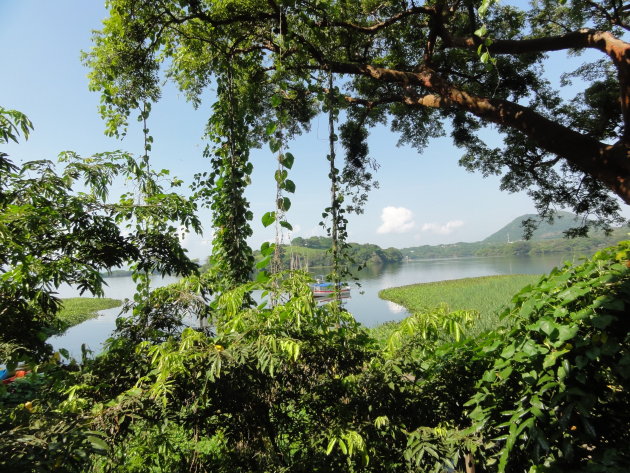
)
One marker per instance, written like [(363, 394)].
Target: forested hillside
[(315, 252), (580, 246), (513, 231)]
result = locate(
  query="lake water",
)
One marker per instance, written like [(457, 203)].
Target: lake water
[(364, 302)]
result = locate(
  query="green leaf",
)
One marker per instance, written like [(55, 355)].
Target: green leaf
[(343, 447), (548, 328), (276, 100), (331, 445), (267, 248), (268, 218), (289, 186), (567, 332), (551, 358), (263, 263), (287, 225), (287, 160), (508, 351), (97, 443), (483, 8), (284, 203), (481, 31), (280, 176), (274, 145), (271, 128)]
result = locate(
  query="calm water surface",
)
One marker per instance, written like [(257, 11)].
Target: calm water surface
[(364, 302)]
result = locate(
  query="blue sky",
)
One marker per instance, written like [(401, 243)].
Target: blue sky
[(422, 199)]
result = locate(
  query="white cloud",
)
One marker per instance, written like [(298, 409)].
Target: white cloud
[(395, 308), (444, 229), (396, 220)]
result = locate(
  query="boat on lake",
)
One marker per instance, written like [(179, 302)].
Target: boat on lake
[(322, 288)]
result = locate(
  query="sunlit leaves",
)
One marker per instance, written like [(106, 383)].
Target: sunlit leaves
[(12, 123), (52, 234), (560, 358), (268, 218)]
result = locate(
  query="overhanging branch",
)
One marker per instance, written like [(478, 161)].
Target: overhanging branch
[(609, 164)]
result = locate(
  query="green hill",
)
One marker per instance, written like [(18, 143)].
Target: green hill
[(513, 231), (314, 252), (549, 238)]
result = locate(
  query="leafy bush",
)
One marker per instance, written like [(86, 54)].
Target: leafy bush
[(292, 386), (556, 397)]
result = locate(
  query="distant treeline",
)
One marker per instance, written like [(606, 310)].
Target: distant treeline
[(117, 273), (120, 273), (582, 246), (313, 252)]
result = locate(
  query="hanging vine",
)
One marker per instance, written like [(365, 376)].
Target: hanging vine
[(275, 131), (142, 277), (337, 230), (335, 202), (222, 190)]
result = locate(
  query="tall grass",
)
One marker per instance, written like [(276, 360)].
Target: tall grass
[(488, 295), (79, 309)]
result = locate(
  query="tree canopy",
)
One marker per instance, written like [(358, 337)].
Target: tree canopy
[(427, 68)]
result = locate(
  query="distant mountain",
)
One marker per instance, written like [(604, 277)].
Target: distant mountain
[(509, 241), (513, 231)]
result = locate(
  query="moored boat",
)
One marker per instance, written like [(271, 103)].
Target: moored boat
[(329, 289)]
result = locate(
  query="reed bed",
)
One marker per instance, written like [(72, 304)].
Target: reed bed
[(79, 309), (488, 295)]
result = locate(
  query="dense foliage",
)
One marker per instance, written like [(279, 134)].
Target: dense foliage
[(286, 384), (289, 385), (556, 394), (51, 234), (298, 386)]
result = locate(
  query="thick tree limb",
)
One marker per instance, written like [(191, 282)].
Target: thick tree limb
[(615, 48), (580, 39), (607, 163), (431, 101)]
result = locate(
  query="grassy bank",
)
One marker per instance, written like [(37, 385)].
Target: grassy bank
[(79, 309), (487, 295)]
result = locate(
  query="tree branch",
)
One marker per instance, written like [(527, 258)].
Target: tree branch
[(615, 19), (374, 28), (610, 164), (617, 49)]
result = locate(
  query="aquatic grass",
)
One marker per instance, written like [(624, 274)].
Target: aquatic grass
[(76, 310), (488, 295)]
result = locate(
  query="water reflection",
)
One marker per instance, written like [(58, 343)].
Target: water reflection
[(363, 302), (395, 308)]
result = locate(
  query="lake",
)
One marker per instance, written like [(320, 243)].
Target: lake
[(364, 302)]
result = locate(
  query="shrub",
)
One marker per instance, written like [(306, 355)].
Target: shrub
[(556, 395)]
